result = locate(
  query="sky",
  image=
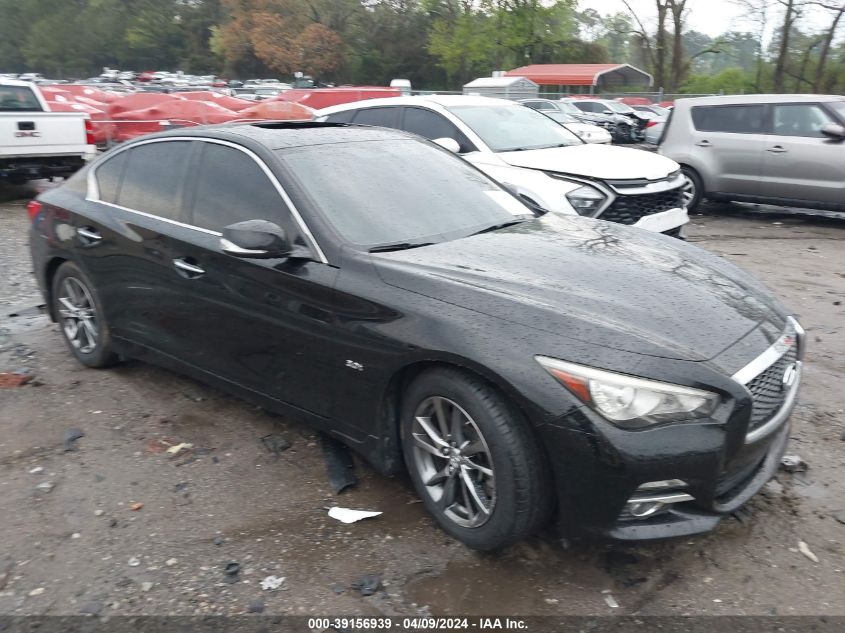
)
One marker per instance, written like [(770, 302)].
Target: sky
[(712, 17)]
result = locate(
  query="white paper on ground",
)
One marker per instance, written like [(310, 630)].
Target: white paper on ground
[(346, 515)]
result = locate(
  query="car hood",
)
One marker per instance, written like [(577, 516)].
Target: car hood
[(594, 161), (594, 282)]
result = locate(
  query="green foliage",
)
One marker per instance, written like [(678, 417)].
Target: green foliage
[(728, 81)]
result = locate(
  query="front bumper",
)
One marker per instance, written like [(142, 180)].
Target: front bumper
[(597, 473), (663, 221)]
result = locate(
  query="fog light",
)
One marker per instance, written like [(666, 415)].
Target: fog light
[(653, 497)]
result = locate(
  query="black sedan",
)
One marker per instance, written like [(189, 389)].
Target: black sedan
[(380, 288)]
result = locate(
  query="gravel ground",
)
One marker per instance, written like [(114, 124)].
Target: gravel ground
[(81, 544)]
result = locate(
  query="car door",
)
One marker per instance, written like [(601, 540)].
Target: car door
[(726, 147), (800, 163), (126, 243), (264, 325)]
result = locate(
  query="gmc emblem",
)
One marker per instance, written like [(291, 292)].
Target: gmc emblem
[(27, 134)]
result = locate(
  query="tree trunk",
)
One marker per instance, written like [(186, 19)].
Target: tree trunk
[(789, 17), (677, 7), (660, 44), (828, 40)]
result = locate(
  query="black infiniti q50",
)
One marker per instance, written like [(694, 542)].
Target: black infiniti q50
[(523, 368)]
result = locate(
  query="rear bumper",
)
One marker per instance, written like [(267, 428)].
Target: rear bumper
[(32, 168)]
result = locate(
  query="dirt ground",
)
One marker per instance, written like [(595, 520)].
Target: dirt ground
[(78, 546)]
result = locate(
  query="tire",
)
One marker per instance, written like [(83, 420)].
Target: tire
[(79, 313), (694, 190), (493, 461), (623, 133)]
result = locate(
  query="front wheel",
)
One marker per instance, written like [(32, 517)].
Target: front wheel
[(473, 461), (80, 317), (623, 133)]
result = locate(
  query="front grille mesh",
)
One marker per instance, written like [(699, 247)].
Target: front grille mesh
[(630, 209), (768, 391)]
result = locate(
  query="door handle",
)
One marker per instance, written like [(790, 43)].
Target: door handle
[(188, 268), (704, 144), (777, 149), (89, 236)]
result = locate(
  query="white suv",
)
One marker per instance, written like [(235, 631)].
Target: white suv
[(543, 163)]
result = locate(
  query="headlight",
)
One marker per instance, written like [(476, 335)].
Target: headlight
[(629, 402), (586, 200)]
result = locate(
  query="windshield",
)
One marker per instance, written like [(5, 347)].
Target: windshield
[(18, 99), (839, 108), (560, 117), (399, 192), (619, 107), (569, 108), (512, 128)]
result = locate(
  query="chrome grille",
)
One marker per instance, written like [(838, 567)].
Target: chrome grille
[(629, 209), (768, 391)]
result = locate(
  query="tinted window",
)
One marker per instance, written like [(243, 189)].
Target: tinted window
[(738, 119), (431, 125), (384, 117), (18, 99), (340, 117), (231, 187), (405, 191), (108, 177), (799, 119), (589, 107), (154, 178), (838, 107)]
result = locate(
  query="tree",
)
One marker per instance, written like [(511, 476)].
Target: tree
[(791, 13), (826, 44)]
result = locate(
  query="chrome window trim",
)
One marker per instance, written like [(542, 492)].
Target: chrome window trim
[(773, 353), (93, 193)]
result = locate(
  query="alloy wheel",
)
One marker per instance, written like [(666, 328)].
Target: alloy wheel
[(688, 192), (454, 462), (78, 315)]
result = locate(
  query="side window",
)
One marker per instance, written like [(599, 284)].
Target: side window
[(384, 117), (432, 125), (231, 187), (736, 119), (108, 176), (799, 119), (340, 117), (587, 107), (155, 177)]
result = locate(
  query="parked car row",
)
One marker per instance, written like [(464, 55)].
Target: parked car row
[(523, 364)]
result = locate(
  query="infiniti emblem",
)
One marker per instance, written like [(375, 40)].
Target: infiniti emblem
[(789, 375)]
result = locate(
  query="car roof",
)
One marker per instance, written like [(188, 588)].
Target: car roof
[(15, 82), (275, 135), (752, 99), (438, 100)]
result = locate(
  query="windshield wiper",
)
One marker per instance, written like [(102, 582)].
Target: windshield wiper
[(496, 227), (398, 246)]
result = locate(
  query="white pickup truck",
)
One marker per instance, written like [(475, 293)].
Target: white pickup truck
[(36, 143)]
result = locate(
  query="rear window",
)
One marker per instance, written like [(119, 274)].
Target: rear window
[(736, 119), (18, 99)]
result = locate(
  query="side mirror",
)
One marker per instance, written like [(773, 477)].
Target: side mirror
[(255, 239), (834, 131), (448, 143)]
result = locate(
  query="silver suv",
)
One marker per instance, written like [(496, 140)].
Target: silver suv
[(784, 150)]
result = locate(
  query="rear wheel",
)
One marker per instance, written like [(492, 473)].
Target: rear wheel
[(473, 461), (80, 317), (693, 189)]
